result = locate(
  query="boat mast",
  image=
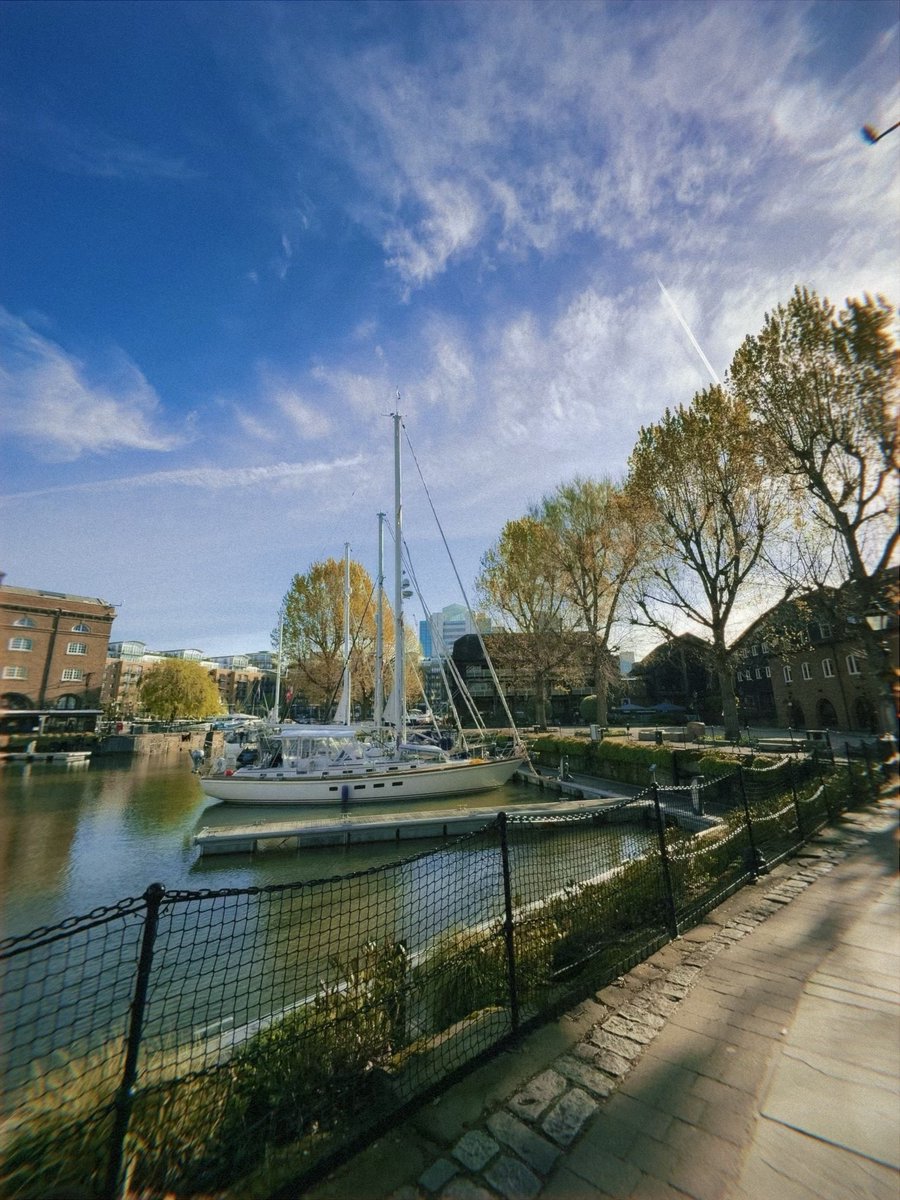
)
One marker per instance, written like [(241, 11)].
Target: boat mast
[(342, 716), (379, 629), (399, 665), (278, 666)]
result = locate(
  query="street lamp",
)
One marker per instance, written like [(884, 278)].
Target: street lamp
[(879, 622)]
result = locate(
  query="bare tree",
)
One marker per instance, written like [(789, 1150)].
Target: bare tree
[(709, 512), (596, 544), (823, 388), (521, 587)]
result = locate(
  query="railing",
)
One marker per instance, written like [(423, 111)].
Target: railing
[(188, 1042)]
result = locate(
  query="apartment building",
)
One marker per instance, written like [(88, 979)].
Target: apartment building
[(52, 649)]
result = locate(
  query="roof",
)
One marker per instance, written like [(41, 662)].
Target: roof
[(21, 591)]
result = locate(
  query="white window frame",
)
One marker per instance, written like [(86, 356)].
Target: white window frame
[(76, 648), (22, 644), (805, 671), (788, 674), (72, 675), (80, 627), (853, 667), (759, 672), (768, 671), (25, 623), (15, 672), (828, 668)]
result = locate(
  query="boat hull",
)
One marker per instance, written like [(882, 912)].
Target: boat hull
[(397, 784)]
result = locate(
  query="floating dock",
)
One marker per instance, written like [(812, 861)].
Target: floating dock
[(71, 757), (299, 833)]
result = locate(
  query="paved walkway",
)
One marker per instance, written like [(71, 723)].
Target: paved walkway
[(755, 1058)]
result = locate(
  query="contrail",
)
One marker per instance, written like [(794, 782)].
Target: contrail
[(684, 325)]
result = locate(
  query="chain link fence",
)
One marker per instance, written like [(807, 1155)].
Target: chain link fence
[(239, 1041)]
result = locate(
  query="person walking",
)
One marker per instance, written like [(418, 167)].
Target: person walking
[(197, 757)]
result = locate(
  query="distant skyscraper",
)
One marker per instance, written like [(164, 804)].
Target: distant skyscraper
[(425, 639), (442, 629)]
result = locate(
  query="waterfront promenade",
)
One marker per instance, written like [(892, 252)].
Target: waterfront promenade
[(756, 1057)]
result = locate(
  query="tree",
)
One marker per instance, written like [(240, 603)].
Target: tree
[(699, 475), (313, 633), (597, 546), (179, 689), (823, 389), (521, 585)]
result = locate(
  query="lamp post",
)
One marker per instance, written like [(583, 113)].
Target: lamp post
[(879, 622), (872, 135)]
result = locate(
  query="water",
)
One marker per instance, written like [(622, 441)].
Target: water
[(76, 838)]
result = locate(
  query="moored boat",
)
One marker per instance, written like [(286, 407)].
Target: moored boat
[(339, 763), (331, 764)]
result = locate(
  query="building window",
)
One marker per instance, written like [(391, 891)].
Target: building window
[(15, 672), (805, 671), (20, 643), (755, 649), (788, 675), (828, 668), (71, 674), (853, 665), (824, 630), (768, 671), (81, 628), (759, 672), (76, 648), (24, 623)]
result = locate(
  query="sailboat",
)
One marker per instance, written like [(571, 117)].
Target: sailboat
[(338, 763)]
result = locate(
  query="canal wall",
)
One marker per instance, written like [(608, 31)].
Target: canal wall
[(162, 745)]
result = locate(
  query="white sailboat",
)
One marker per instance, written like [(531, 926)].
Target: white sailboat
[(335, 764)]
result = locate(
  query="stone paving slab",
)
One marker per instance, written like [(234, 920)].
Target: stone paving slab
[(860, 1116)]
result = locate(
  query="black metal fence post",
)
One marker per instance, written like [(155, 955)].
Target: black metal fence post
[(754, 854), (873, 789), (664, 856), (508, 925), (795, 798), (125, 1095)]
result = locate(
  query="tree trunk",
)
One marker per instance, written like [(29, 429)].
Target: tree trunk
[(726, 688), (540, 701), (601, 687)]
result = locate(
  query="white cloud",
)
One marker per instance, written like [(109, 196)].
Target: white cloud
[(282, 477), (49, 399), (92, 152), (700, 129)]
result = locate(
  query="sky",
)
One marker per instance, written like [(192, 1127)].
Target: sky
[(235, 237)]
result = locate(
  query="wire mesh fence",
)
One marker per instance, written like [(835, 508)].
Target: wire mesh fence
[(190, 1042)]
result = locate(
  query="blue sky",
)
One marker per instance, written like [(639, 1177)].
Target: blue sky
[(231, 233)]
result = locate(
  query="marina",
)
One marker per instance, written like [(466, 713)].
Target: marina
[(76, 837)]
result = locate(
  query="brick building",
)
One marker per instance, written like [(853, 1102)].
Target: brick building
[(52, 649), (812, 664)]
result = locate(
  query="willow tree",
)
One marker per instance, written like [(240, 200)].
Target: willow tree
[(521, 587), (709, 511), (313, 632), (177, 688), (596, 544)]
